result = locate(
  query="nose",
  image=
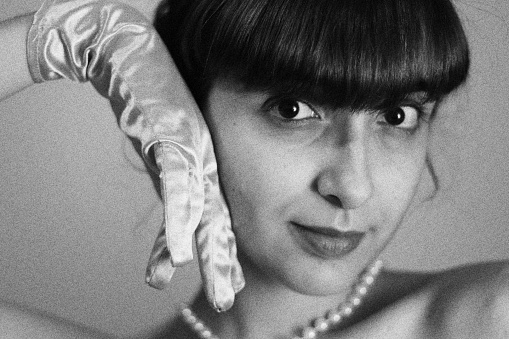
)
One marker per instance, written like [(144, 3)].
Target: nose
[(345, 181)]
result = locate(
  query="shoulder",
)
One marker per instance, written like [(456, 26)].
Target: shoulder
[(462, 303), (470, 302)]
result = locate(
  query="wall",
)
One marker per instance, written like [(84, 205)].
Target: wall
[(78, 214)]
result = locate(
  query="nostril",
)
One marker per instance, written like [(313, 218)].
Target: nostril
[(334, 200)]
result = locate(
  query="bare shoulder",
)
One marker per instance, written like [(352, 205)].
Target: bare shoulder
[(471, 302), (462, 303)]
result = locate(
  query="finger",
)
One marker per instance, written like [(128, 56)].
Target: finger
[(213, 244), (159, 268), (237, 276), (182, 194)]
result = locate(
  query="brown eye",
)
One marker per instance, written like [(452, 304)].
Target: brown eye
[(395, 116), (403, 117), (292, 110), (288, 108)]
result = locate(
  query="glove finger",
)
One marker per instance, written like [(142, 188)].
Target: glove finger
[(182, 194), (159, 269), (237, 276), (213, 245)]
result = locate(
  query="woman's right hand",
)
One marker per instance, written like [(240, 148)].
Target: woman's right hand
[(116, 48)]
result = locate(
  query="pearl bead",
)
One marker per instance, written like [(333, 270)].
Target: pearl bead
[(356, 301), (322, 324), (369, 279), (334, 317), (362, 290), (206, 334), (198, 326), (347, 309), (309, 333), (375, 269)]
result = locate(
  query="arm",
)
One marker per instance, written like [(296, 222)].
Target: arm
[(13, 62), (17, 322), (116, 48)]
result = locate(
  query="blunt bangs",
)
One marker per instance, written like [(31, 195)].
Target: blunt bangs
[(338, 53)]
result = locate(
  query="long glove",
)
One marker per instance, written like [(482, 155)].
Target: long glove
[(118, 51)]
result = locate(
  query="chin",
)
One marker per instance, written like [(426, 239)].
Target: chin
[(320, 280)]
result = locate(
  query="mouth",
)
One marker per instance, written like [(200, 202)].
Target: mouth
[(326, 243)]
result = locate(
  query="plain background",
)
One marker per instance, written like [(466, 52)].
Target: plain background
[(78, 213)]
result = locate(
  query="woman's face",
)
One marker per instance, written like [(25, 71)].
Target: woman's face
[(314, 194)]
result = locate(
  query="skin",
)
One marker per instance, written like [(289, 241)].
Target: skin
[(306, 174), (334, 169)]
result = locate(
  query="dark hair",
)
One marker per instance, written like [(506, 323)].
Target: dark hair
[(339, 53)]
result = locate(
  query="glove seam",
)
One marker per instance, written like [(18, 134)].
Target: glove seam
[(33, 40)]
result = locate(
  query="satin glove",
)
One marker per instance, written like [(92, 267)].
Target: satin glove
[(115, 48)]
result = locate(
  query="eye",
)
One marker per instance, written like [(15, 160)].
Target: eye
[(403, 117), (293, 110)]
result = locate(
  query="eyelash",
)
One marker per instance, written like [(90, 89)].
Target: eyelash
[(421, 116), (272, 105)]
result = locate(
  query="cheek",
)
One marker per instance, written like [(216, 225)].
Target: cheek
[(396, 182), (262, 182), (250, 175), (258, 193), (257, 183)]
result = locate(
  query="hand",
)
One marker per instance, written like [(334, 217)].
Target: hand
[(118, 51)]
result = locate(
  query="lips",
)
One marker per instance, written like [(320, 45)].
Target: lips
[(326, 242)]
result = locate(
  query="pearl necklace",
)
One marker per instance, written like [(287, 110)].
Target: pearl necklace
[(322, 324)]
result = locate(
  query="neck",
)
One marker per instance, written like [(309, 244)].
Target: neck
[(265, 309), (270, 311)]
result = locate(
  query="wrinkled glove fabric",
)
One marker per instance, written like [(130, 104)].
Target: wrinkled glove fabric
[(115, 48)]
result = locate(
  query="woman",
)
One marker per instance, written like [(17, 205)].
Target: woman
[(321, 130), (320, 113)]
